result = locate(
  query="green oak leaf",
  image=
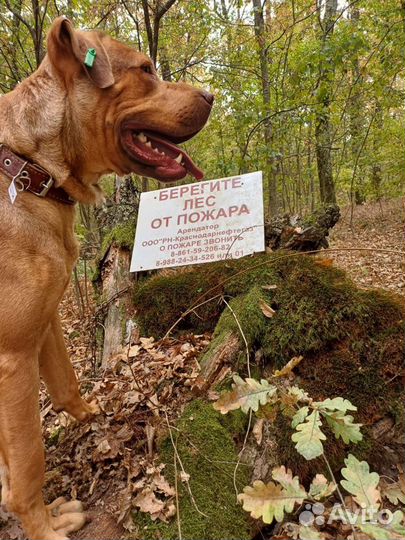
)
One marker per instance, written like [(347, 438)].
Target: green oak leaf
[(308, 437), (361, 483), (342, 426)]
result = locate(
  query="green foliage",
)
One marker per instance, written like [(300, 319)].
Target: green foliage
[(273, 500), (270, 501), (361, 483), (214, 45), (251, 395), (309, 437)]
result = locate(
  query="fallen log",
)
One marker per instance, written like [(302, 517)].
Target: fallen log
[(301, 234)]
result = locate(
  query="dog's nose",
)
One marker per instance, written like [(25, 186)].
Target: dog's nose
[(209, 98)]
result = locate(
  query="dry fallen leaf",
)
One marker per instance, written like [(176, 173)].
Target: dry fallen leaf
[(134, 351), (258, 430), (287, 369), (184, 477), (147, 502), (266, 309)]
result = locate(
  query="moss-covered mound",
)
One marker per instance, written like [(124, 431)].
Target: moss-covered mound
[(352, 340), (315, 305), (208, 453)]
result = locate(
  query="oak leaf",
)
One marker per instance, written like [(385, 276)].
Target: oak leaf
[(320, 488), (266, 501), (291, 485), (394, 530), (342, 426), (361, 483), (308, 437), (394, 492), (246, 394)]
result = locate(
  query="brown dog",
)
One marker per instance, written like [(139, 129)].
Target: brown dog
[(77, 121)]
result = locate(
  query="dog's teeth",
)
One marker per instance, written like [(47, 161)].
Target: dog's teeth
[(148, 144), (179, 158), (142, 137)]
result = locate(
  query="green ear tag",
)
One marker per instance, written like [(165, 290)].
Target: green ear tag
[(90, 57)]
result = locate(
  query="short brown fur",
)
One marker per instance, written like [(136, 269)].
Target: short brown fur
[(65, 118)]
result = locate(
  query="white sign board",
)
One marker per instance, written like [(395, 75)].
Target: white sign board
[(198, 223)]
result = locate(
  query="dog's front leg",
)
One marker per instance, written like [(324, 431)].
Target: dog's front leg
[(22, 452), (59, 376)]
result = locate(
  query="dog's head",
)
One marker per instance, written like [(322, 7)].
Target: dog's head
[(120, 116)]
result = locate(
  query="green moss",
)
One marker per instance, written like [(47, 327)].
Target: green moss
[(245, 313), (169, 295), (55, 436), (207, 451), (95, 276), (235, 423), (122, 235), (352, 340), (397, 411)]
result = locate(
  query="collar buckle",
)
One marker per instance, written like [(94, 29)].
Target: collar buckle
[(46, 186)]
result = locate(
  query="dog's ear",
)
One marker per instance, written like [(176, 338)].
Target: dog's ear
[(68, 49)]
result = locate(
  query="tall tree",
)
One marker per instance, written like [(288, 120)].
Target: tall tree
[(356, 112), (260, 33), (35, 24), (153, 17), (323, 127)]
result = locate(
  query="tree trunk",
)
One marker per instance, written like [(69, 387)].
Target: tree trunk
[(376, 171), (117, 220), (152, 23), (356, 122), (260, 33), (323, 125), (116, 289), (301, 234)]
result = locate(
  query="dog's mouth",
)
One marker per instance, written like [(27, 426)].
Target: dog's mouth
[(167, 161)]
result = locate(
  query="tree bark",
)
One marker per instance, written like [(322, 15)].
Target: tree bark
[(152, 23), (355, 113), (115, 280), (260, 33), (117, 289), (323, 123), (376, 170)]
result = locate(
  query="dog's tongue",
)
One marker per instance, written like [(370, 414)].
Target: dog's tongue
[(170, 161), (173, 151)]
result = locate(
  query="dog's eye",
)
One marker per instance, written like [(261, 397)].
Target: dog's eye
[(146, 69)]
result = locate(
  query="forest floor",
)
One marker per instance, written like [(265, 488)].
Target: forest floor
[(374, 226), (97, 461)]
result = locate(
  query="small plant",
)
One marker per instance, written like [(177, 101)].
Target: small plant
[(273, 500)]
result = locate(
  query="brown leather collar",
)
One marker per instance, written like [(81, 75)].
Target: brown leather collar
[(30, 177)]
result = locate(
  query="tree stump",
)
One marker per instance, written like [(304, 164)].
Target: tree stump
[(117, 220), (301, 234)]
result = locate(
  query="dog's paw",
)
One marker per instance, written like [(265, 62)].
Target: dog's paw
[(66, 517), (82, 410), (94, 407)]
